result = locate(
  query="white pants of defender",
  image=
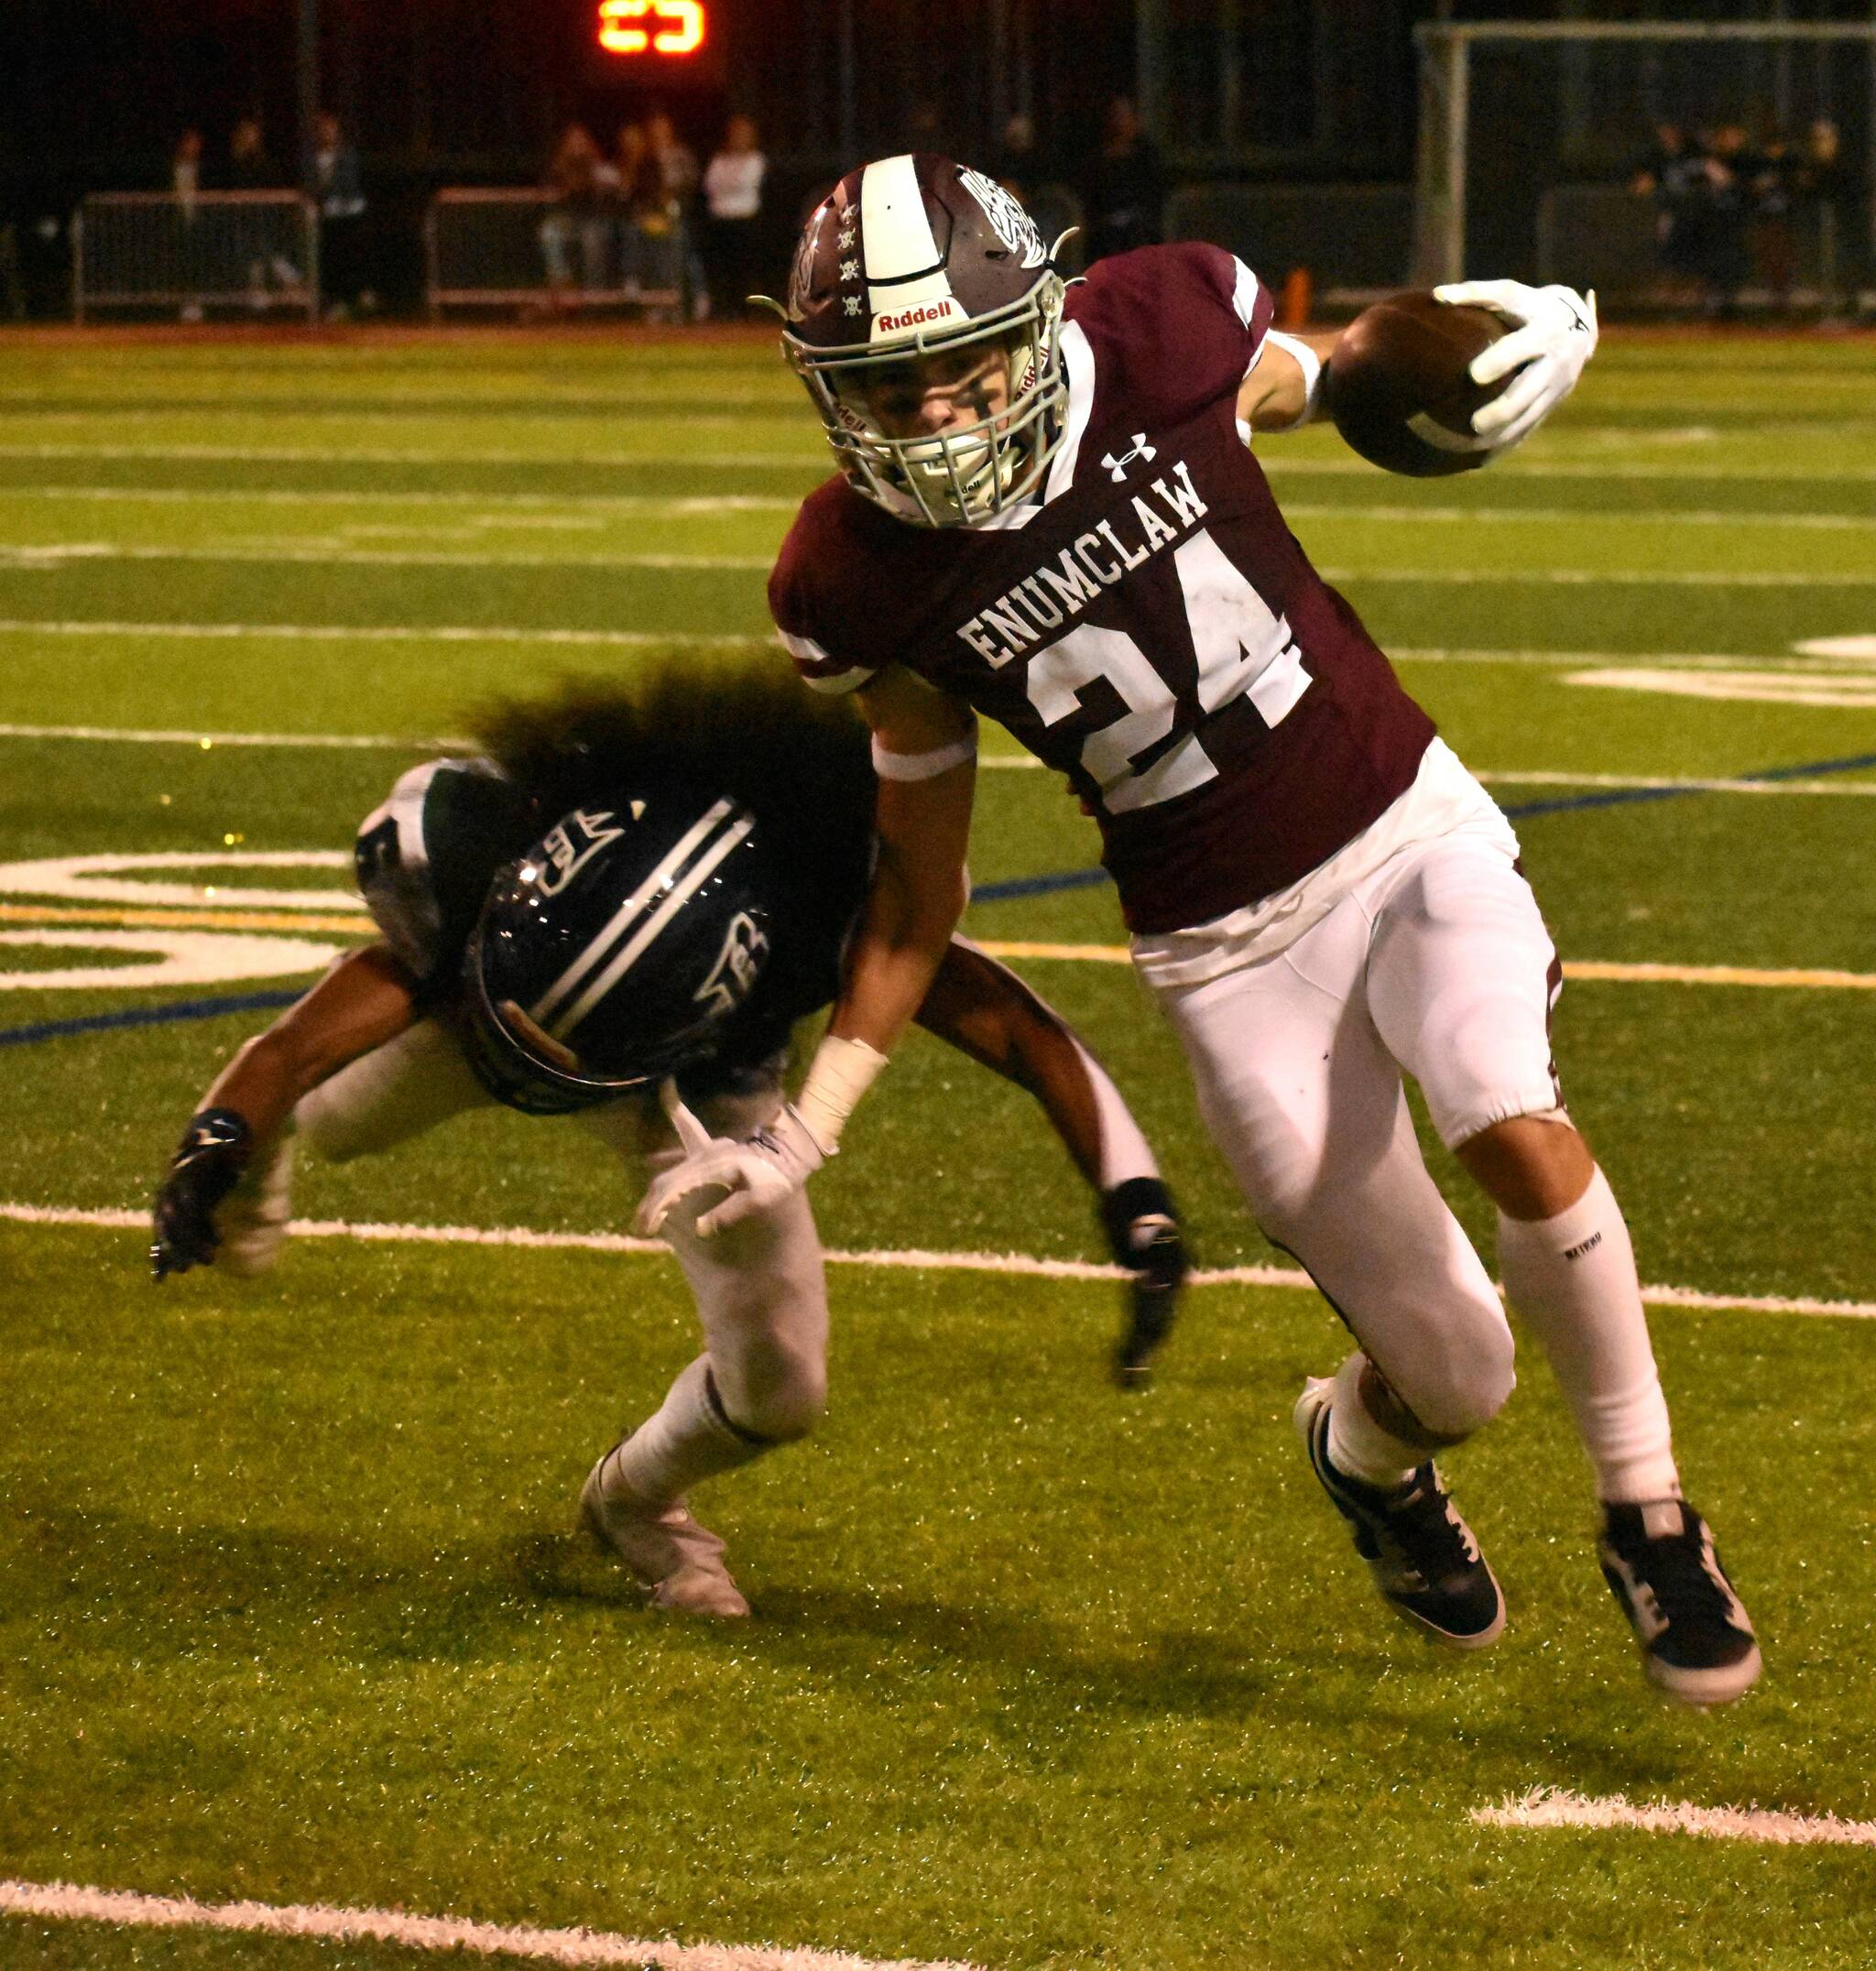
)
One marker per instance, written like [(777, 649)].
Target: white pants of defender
[(760, 1287), (1436, 965)]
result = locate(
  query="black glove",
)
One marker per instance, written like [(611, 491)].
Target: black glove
[(206, 1167), (1142, 1231)]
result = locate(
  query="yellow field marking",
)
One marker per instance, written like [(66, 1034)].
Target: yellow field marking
[(1591, 970), (356, 921), (1645, 975)]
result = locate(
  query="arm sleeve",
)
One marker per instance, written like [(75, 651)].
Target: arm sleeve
[(984, 1010)]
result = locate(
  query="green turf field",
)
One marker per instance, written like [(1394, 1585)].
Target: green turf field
[(1039, 1677)]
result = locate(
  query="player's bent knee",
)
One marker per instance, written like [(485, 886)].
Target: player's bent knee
[(783, 1412), (1478, 1374)]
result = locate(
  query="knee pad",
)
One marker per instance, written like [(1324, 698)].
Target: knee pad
[(785, 1411)]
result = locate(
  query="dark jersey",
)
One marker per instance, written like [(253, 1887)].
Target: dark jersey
[(426, 860), (1149, 627)]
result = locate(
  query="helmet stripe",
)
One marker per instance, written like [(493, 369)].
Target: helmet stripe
[(902, 265), (682, 891), (629, 912)]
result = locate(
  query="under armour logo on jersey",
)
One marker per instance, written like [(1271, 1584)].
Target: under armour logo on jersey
[(1141, 449), (732, 976), (571, 844)]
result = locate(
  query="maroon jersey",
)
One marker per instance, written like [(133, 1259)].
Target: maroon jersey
[(1149, 627)]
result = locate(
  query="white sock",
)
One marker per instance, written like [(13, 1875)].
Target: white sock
[(1572, 1279), (688, 1439), (1359, 1447)]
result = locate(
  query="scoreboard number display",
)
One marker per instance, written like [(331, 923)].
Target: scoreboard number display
[(668, 29)]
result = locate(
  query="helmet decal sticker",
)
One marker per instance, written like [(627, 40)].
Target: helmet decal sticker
[(733, 977), (1013, 226), (570, 845)]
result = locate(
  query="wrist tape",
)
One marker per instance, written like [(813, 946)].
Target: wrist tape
[(841, 1072)]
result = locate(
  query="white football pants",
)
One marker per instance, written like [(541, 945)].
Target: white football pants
[(1437, 965), (761, 1289)]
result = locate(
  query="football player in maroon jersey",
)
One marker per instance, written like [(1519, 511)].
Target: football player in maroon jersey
[(1048, 512)]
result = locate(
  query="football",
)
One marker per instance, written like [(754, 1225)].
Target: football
[(1399, 388)]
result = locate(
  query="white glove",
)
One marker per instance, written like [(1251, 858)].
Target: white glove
[(756, 1175), (1553, 336)]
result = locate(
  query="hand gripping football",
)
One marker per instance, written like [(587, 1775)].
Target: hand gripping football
[(1400, 385)]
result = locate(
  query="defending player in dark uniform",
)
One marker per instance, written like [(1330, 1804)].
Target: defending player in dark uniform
[(711, 843), (1048, 512)]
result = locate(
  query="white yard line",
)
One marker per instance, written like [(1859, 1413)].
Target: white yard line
[(1713, 577), (1023, 1265), (1596, 971), (43, 556), (802, 462), (69, 1903), (1680, 470), (1569, 516), (490, 506), (1553, 1807), (384, 633)]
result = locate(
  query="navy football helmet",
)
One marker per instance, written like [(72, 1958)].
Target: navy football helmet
[(614, 949)]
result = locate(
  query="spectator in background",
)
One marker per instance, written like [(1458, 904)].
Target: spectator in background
[(1018, 165), (733, 217), (252, 168), (578, 217), (1670, 175), (1125, 185), (623, 177), (185, 182), (337, 185), (185, 166), (673, 164), (1820, 183), (1730, 167), (1767, 181)]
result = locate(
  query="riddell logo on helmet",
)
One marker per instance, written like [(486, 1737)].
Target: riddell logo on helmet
[(913, 317)]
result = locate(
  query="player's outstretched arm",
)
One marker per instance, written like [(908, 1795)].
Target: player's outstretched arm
[(365, 1000), (1288, 387), (983, 1009), (924, 750)]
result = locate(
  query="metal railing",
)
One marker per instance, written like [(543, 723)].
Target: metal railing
[(1606, 237), (1352, 238), (524, 249), (255, 251)]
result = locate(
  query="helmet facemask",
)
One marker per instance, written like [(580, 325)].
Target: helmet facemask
[(968, 472)]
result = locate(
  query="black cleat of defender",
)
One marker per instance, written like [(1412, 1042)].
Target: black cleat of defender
[(1420, 1553), (1696, 1638)]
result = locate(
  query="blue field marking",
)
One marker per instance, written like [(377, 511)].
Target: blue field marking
[(1038, 885), (1614, 797), (148, 1016)]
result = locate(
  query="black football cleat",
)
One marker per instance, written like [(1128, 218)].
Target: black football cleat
[(1420, 1553), (1696, 1638)]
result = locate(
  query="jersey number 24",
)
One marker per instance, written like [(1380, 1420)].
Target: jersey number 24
[(1243, 649)]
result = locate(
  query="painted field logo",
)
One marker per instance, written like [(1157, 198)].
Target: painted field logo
[(164, 919), (1831, 674)]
